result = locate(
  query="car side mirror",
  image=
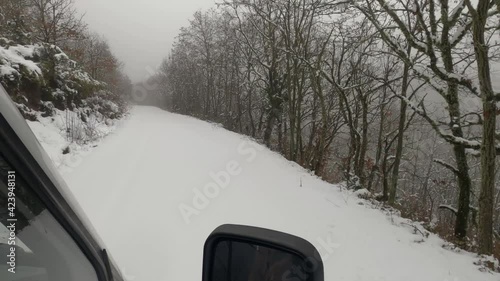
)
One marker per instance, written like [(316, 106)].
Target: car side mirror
[(245, 253)]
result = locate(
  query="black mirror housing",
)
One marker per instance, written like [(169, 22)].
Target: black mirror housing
[(245, 253)]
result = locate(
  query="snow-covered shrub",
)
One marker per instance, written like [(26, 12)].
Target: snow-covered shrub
[(105, 103), (42, 78), (353, 182), (28, 113), (84, 125), (363, 193)]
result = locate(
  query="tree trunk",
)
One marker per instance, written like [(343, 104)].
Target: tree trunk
[(271, 118), (488, 153), (393, 187), (464, 181), (360, 172)]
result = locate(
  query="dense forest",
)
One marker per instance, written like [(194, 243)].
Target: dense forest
[(395, 97), (52, 64)]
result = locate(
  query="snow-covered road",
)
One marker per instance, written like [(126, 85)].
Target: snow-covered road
[(158, 185)]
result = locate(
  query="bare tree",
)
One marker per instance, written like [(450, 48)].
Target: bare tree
[(14, 20), (56, 21), (441, 44), (480, 18)]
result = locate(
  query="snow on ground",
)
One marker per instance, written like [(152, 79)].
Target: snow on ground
[(51, 132), (136, 182)]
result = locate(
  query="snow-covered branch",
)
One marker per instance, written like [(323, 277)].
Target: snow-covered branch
[(447, 165), (449, 208)]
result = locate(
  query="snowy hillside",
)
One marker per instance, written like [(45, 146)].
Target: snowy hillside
[(67, 139), (158, 185), (42, 79)]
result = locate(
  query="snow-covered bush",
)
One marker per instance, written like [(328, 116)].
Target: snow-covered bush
[(42, 78)]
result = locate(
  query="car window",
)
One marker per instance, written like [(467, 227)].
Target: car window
[(33, 245)]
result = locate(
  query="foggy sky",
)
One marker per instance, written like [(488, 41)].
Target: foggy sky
[(140, 32)]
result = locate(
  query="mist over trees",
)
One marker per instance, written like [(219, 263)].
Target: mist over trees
[(396, 97)]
